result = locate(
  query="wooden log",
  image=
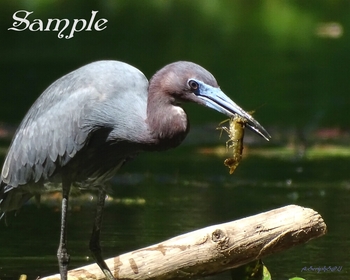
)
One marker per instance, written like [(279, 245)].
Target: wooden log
[(213, 249)]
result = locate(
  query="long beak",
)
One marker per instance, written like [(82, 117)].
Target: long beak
[(214, 98)]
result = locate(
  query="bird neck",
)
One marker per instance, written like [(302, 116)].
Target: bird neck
[(167, 121)]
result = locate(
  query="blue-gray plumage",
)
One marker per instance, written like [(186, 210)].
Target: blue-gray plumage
[(91, 121)]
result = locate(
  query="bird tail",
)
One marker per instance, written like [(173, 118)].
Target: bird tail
[(12, 198), (2, 198)]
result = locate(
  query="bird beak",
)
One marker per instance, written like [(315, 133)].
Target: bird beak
[(214, 98)]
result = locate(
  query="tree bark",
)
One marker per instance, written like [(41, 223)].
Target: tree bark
[(213, 249)]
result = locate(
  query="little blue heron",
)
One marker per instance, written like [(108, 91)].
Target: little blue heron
[(88, 123)]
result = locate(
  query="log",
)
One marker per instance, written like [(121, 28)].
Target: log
[(213, 249)]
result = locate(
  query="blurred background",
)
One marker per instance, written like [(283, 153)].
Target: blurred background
[(288, 61)]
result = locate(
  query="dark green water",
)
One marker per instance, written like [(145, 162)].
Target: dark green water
[(159, 196)]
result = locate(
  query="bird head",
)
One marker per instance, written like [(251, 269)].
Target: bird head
[(189, 82)]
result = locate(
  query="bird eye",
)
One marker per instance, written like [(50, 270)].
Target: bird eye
[(193, 84)]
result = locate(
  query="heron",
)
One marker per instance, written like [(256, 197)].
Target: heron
[(91, 121)]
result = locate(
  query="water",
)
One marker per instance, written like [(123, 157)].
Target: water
[(163, 195)]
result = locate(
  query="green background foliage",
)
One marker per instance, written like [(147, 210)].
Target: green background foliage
[(283, 59)]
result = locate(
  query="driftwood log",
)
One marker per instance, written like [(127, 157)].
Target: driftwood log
[(213, 249)]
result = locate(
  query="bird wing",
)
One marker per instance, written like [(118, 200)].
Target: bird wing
[(61, 121), (49, 136)]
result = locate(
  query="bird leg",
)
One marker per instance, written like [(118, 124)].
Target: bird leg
[(95, 247), (62, 255)]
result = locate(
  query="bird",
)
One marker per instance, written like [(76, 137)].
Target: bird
[(91, 121)]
